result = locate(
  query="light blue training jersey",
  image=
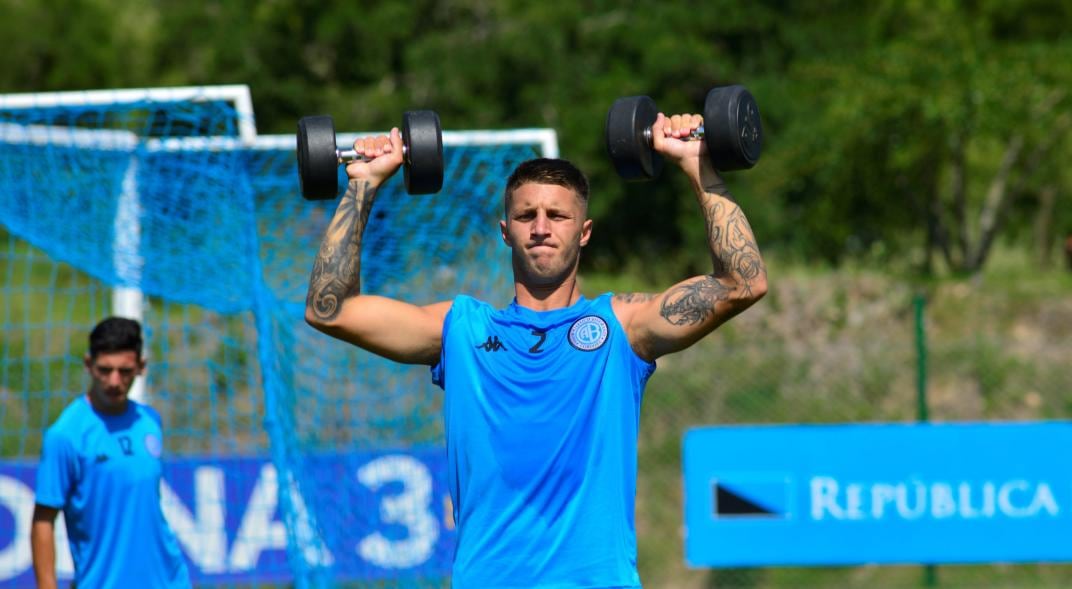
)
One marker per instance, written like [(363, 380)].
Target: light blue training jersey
[(542, 411), (104, 472)]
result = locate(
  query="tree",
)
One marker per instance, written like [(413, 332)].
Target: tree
[(945, 117), (923, 129), (73, 45)]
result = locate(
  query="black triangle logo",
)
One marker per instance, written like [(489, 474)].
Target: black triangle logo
[(730, 503)]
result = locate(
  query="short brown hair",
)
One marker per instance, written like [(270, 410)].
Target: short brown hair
[(557, 172)]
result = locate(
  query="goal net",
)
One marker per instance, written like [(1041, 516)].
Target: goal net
[(290, 457)]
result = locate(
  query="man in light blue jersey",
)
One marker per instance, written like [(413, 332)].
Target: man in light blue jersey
[(542, 398), (100, 465)]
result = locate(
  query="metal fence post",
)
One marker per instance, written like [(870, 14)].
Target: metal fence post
[(930, 572)]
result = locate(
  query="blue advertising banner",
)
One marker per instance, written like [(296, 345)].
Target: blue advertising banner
[(855, 494), (393, 520)]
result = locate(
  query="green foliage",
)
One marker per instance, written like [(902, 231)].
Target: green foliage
[(886, 124), (935, 96), (73, 45)]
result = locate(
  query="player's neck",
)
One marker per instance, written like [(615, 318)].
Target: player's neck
[(112, 409), (549, 297)]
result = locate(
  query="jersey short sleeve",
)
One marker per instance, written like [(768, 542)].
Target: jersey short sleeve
[(57, 470)]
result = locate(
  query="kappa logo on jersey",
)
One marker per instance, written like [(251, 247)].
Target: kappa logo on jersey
[(492, 345), (588, 333)]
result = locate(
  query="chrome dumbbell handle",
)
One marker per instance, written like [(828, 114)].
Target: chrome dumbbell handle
[(696, 134), (346, 156)]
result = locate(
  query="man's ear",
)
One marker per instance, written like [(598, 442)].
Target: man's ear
[(586, 232), (502, 231)]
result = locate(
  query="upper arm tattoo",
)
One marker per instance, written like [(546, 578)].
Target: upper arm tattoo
[(337, 269), (693, 302)]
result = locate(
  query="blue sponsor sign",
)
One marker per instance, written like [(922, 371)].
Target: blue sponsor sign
[(896, 493), (381, 515)]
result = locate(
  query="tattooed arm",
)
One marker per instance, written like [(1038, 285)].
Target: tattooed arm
[(334, 304), (658, 324)]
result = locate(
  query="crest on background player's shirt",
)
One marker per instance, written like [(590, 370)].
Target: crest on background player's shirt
[(152, 445)]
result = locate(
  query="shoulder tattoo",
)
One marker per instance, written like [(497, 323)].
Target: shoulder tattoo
[(634, 297)]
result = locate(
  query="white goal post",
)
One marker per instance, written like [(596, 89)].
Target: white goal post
[(129, 301)]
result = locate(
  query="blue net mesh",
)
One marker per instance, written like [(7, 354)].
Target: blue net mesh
[(292, 458)]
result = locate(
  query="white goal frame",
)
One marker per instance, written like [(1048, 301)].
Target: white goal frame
[(129, 301)]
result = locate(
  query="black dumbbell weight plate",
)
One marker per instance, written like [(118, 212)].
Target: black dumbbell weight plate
[(318, 158), (423, 137), (628, 138), (732, 128)]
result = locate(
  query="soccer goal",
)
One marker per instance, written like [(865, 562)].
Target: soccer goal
[(289, 457)]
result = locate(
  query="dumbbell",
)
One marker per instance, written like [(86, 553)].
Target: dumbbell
[(731, 131), (319, 157)]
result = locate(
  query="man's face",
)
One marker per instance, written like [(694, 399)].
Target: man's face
[(112, 374), (546, 228)]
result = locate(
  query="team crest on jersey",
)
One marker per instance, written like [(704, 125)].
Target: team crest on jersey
[(152, 445), (588, 333)]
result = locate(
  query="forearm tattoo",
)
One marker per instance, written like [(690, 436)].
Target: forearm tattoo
[(337, 268), (735, 257), (734, 253)]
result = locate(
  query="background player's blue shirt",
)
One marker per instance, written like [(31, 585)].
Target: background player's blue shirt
[(104, 472), (542, 411)]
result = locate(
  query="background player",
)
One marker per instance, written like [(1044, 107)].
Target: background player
[(100, 465)]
